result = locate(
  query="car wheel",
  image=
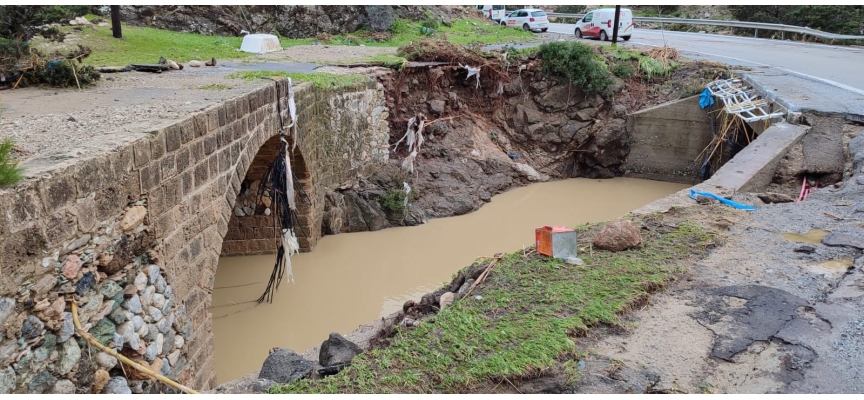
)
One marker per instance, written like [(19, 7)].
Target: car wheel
[(578, 33), (544, 29), (625, 38), (603, 36), (503, 23), (526, 27)]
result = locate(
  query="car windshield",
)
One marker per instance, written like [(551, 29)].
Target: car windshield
[(497, 7), (538, 14)]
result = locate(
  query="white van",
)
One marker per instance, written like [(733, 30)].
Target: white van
[(495, 13), (598, 23)]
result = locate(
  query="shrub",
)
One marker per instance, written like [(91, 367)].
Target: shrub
[(623, 69), (570, 9), (575, 63), (380, 18), (10, 173), (393, 200)]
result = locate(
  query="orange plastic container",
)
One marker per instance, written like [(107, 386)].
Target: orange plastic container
[(556, 241)]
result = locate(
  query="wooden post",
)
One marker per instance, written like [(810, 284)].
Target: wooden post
[(615, 27), (115, 22)]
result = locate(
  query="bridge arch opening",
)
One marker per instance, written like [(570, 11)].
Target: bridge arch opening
[(251, 229)]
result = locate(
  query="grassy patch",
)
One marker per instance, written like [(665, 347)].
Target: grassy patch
[(145, 45), (463, 31), (319, 79), (522, 326), (215, 86)]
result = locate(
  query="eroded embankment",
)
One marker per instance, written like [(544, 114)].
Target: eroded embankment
[(510, 127)]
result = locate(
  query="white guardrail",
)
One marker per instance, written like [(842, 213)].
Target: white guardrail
[(734, 24)]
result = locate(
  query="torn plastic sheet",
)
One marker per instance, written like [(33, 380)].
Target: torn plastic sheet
[(413, 140), (407, 192), (292, 110), (472, 72)]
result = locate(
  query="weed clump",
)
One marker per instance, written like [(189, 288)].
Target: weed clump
[(577, 64), (10, 172), (393, 200)]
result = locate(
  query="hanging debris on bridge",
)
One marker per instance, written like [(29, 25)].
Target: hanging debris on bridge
[(413, 140), (285, 187)]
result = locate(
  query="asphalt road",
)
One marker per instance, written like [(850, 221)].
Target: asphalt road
[(841, 66)]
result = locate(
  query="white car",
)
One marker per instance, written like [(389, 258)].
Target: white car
[(529, 19)]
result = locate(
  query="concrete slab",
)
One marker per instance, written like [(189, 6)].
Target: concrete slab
[(799, 93)]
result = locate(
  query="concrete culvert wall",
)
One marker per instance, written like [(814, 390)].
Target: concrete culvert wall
[(133, 236)]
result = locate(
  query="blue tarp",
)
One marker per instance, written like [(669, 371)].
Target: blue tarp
[(707, 99)]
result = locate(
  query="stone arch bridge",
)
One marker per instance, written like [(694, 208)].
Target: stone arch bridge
[(174, 198)]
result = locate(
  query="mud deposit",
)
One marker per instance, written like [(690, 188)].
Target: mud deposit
[(351, 279)]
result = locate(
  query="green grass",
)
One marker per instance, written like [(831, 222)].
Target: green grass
[(531, 308), (463, 31), (215, 86), (319, 79), (146, 45), (10, 172)]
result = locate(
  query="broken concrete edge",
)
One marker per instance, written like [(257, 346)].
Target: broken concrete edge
[(750, 170)]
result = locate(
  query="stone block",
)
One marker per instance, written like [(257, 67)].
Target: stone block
[(22, 206), (92, 174), (212, 120), (141, 152), (187, 130), (223, 118), (182, 158), (213, 163), (58, 191), (173, 243), (196, 151), (150, 176), (230, 111), (187, 183), (202, 173), (200, 123), (158, 144), (85, 213), (173, 137), (60, 227), (168, 165), (122, 161), (165, 223), (211, 142)]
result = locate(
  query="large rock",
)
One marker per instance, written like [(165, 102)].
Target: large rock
[(7, 380), (844, 239), (69, 356), (618, 235), (41, 383), (117, 385), (7, 307), (285, 366), (133, 218), (337, 350)]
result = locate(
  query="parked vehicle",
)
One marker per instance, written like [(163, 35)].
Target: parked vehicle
[(598, 23), (529, 19), (495, 13)]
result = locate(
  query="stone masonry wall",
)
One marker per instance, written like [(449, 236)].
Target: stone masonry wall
[(134, 236)]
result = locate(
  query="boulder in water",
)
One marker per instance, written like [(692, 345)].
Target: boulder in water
[(337, 350)]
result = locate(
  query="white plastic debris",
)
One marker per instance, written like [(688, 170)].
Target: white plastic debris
[(574, 261), (472, 72), (407, 192)]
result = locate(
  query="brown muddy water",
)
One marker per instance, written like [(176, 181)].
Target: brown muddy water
[(352, 279)]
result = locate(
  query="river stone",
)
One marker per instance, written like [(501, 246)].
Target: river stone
[(32, 327), (104, 310), (105, 360), (152, 273), (843, 239), (147, 296), (118, 342), (130, 338), (195, 63), (66, 288), (91, 308), (78, 243), (118, 316), (117, 385), (110, 289), (160, 341), (152, 331), (170, 342), (103, 331), (144, 331), (158, 301), (161, 285), (64, 387), (618, 235), (7, 380), (166, 308), (179, 341), (165, 324), (337, 350), (151, 353), (166, 367), (87, 282), (71, 266), (6, 350), (285, 366), (7, 307), (141, 281), (69, 356), (172, 358), (44, 284), (67, 329), (134, 217), (133, 304), (137, 321), (41, 383), (156, 314), (446, 300)]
